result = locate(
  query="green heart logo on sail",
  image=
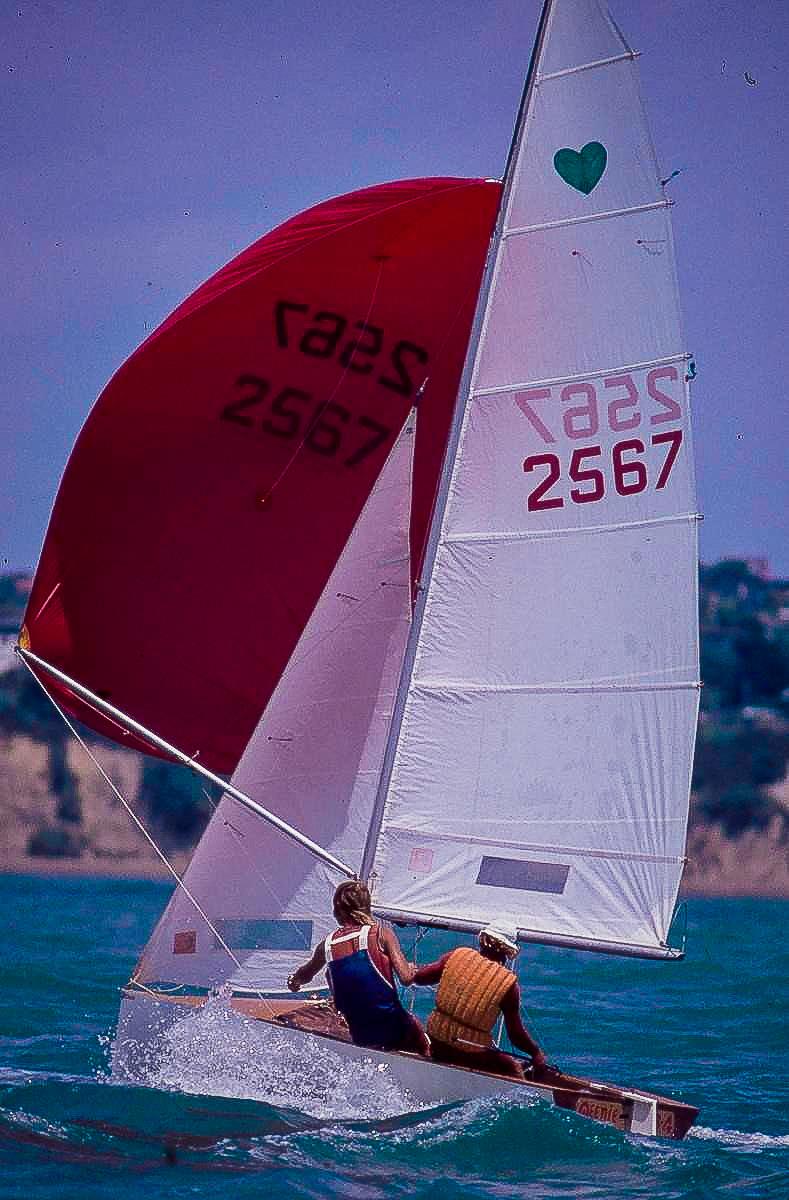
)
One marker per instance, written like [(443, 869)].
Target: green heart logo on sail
[(582, 171)]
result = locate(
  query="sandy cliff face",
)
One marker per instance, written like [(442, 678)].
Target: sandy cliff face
[(756, 864), (113, 845)]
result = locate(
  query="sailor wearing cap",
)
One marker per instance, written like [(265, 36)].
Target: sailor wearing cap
[(474, 986)]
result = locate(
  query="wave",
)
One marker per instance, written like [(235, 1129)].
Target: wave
[(228, 1095), (740, 1139), (487, 1147), (216, 1052)]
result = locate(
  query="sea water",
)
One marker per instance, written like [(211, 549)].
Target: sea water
[(212, 1119)]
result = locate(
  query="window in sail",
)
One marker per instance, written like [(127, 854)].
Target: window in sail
[(250, 934), (528, 876)]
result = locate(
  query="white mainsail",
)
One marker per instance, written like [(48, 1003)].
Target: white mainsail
[(316, 756), (545, 723)]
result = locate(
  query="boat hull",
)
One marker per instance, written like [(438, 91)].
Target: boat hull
[(146, 1016)]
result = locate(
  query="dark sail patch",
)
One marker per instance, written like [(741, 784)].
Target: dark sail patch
[(528, 876), (250, 934)]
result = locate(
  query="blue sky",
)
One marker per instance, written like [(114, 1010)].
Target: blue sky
[(142, 145)]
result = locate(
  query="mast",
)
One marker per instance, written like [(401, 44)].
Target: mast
[(154, 740), (453, 440)]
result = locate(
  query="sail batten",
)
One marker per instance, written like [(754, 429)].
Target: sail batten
[(519, 230), (536, 848), (471, 688), (498, 535), (630, 56), (506, 388)]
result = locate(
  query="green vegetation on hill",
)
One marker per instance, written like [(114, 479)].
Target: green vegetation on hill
[(743, 738), (742, 745)]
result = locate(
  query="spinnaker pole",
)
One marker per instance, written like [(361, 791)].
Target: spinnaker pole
[(135, 727)]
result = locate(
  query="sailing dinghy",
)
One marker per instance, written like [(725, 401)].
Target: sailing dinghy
[(516, 740)]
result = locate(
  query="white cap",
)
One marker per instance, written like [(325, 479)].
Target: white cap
[(503, 932)]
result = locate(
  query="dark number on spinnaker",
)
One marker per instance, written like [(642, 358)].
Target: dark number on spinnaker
[(356, 345), (327, 429)]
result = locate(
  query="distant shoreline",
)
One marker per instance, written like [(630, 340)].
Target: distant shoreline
[(755, 864), (93, 868), (722, 888)]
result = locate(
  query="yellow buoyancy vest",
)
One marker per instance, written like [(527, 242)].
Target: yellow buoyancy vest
[(468, 1000)]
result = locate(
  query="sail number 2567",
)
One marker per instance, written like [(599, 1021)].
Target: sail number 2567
[(628, 470), (617, 403)]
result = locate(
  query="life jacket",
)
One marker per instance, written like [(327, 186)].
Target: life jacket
[(468, 1000), (362, 984)]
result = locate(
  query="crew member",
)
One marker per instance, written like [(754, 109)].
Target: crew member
[(361, 959), (473, 988)]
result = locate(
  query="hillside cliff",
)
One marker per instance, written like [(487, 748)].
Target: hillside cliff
[(57, 814)]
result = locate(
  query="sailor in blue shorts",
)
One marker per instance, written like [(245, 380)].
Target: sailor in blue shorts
[(361, 959)]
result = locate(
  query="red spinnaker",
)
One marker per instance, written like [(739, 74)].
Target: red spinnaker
[(221, 470)]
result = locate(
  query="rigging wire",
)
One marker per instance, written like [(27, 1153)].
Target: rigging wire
[(419, 933), (159, 853)]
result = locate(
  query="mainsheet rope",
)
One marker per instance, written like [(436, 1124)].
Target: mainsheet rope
[(159, 853), (419, 933)]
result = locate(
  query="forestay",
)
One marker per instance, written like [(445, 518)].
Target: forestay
[(543, 763), (315, 755)]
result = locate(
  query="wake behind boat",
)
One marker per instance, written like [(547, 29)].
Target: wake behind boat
[(512, 736)]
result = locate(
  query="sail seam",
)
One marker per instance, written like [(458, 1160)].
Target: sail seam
[(501, 389), (504, 844), (517, 230), (549, 689), (631, 56), (525, 535)]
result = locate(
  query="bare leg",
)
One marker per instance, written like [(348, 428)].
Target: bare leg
[(479, 1060), (416, 1038)]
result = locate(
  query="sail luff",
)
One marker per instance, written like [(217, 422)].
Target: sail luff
[(448, 464)]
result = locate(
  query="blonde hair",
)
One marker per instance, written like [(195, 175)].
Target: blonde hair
[(352, 903)]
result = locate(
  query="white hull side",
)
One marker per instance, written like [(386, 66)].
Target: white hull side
[(141, 1041)]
